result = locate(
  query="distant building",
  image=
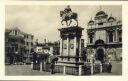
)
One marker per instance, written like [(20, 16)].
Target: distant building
[(104, 37), (17, 46), (47, 48), (43, 54), (43, 49), (28, 39)]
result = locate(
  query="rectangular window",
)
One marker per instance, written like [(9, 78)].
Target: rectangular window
[(120, 36), (32, 37), (91, 40), (31, 44), (27, 43)]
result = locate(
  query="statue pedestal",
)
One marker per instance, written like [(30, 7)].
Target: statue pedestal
[(70, 50)]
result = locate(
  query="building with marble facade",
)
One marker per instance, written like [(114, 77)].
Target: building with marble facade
[(104, 35)]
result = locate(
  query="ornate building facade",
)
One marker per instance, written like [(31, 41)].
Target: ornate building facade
[(104, 37)]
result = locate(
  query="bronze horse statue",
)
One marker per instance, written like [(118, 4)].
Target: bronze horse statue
[(68, 17)]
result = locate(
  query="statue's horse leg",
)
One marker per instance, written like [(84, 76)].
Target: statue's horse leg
[(77, 22), (70, 22), (62, 22), (67, 23)]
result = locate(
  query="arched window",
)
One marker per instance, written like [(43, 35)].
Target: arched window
[(110, 36), (91, 39), (91, 35)]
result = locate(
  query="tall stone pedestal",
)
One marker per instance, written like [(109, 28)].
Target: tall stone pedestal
[(70, 50)]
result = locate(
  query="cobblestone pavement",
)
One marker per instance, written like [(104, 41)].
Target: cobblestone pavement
[(18, 70)]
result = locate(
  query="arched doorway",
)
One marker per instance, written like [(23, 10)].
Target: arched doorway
[(100, 55)]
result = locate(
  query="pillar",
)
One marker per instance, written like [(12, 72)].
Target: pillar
[(67, 46), (101, 68), (88, 40), (41, 66), (75, 45), (79, 49), (107, 37), (31, 65), (61, 43), (80, 70), (91, 68), (44, 65), (64, 70), (116, 35)]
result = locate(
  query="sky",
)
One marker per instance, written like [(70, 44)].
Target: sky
[(43, 21)]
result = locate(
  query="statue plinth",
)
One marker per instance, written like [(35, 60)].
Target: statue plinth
[(70, 47)]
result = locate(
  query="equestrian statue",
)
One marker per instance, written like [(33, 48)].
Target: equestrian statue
[(67, 15)]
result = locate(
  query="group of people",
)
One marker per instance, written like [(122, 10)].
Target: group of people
[(108, 68)]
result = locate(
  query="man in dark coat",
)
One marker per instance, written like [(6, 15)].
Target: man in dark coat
[(85, 69), (68, 9), (109, 68), (52, 67)]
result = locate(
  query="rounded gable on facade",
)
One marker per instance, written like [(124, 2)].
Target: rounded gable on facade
[(100, 13), (91, 22), (111, 19)]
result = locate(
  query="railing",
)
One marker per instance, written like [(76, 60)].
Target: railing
[(58, 69), (36, 66), (72, 70)]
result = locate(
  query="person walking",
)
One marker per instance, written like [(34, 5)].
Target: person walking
[(85, 69), (109, 67), (52, 67)]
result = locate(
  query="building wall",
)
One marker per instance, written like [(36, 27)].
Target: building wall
[(100, 34)]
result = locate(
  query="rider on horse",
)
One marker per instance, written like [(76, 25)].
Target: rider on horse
[(68, 15), (67, 9)]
